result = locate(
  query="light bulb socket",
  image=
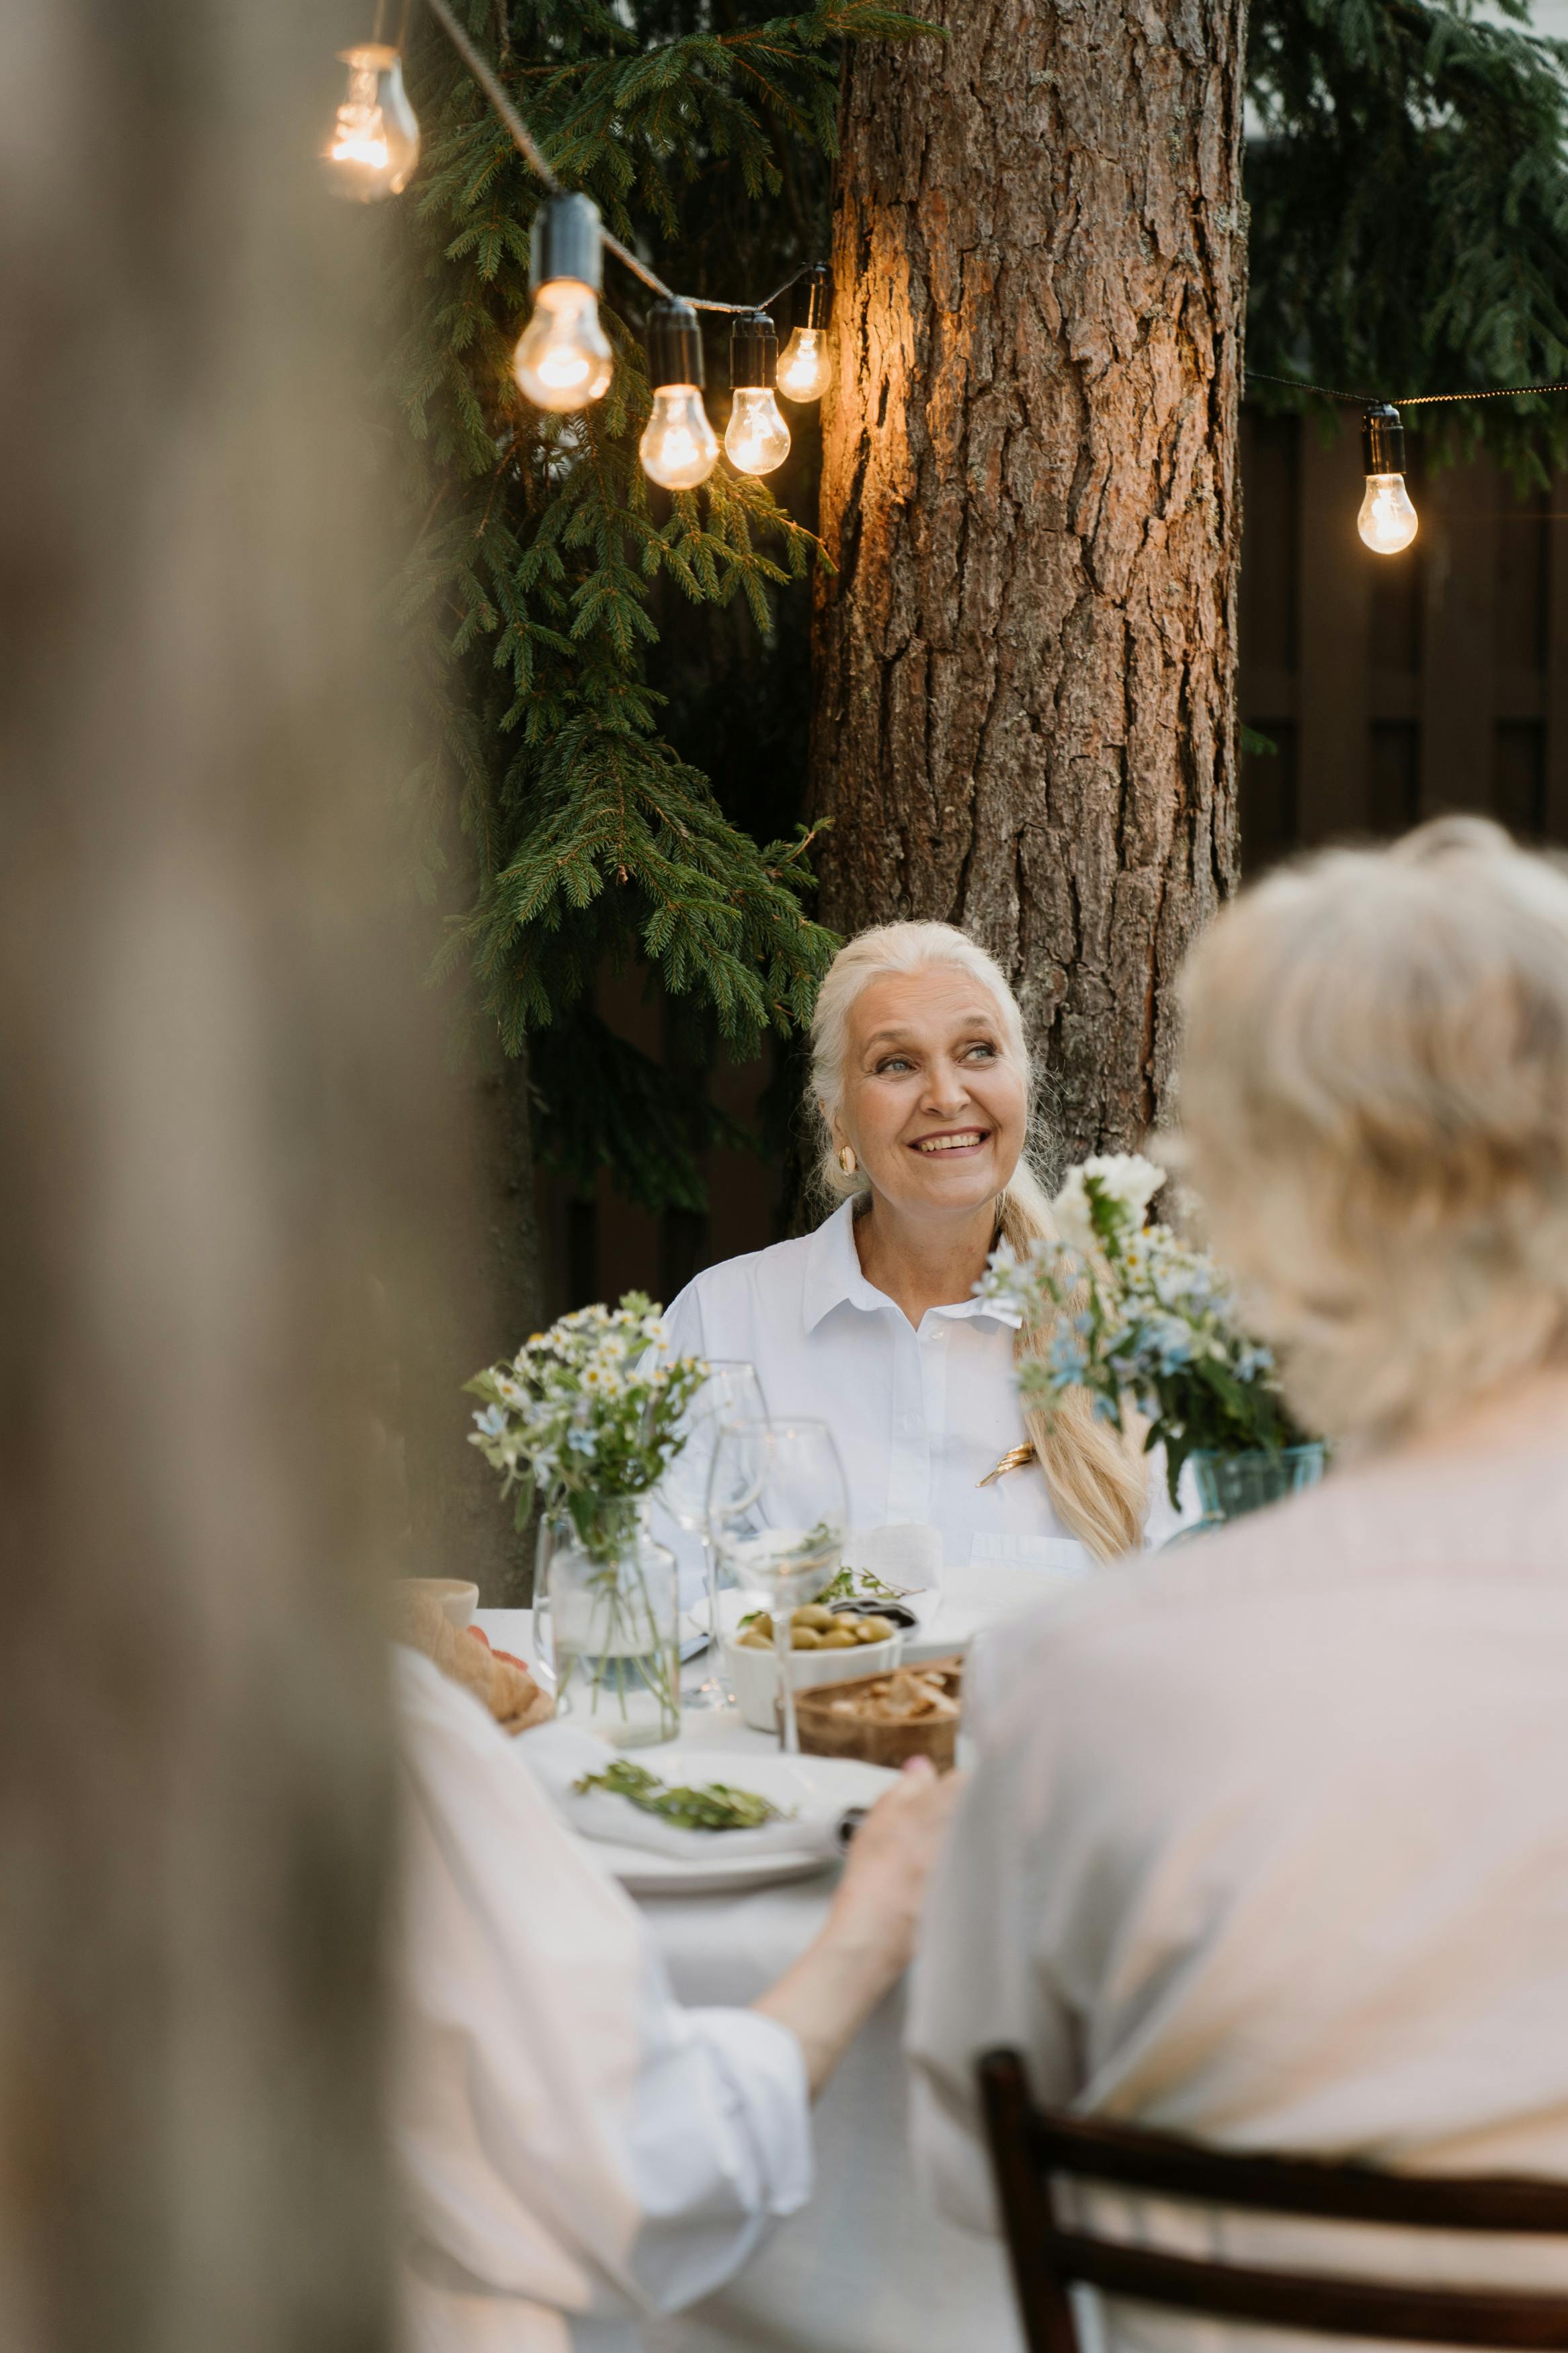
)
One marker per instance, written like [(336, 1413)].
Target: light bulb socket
[(565, 243), (673, 340), (814, 296), (753, 351), (1382, 440)]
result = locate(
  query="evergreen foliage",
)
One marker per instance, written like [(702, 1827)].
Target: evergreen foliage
[(544, 558), (617, 691), (1409, 211)]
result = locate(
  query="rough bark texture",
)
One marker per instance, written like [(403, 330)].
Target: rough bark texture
[(1024, 705), (213, 1136)]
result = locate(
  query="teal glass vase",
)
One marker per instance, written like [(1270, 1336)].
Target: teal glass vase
[(1231, 1485)]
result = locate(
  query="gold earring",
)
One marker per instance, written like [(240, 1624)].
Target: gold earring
[(847, 1160)]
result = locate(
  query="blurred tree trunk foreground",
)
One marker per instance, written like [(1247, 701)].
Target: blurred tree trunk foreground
[(1024, 665), (217, 1159)]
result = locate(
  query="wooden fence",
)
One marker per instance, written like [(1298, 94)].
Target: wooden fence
[(1394, 687)]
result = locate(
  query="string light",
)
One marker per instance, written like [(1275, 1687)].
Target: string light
[(804, 364), (756, 438), (678, 447), (374, 144), (564, 359), (1387, 521)]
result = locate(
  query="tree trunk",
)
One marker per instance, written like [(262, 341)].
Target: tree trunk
[(1024, 664), (214, 1150)]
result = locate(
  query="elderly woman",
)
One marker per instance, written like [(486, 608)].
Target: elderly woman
[(1268, 1841), (920, 1090)]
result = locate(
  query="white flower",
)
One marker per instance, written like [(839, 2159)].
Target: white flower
[(1124, 1177)]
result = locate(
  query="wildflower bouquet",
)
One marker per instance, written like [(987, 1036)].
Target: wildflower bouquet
[(587, 1415), (1139, 1318)]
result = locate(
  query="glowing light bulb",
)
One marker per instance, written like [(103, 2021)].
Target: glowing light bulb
[(678, 447), (756, 438), (374, 144), (1387, 521), (563, 358), (803, 366)]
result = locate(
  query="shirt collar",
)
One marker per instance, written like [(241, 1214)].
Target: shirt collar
[(834, 1279)]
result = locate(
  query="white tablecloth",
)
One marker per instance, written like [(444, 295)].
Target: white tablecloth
[(867, 2268)]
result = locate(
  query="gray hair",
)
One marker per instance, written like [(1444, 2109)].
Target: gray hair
[(1375, 1107)]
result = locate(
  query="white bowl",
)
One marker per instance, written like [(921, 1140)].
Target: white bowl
[(755, 1673)]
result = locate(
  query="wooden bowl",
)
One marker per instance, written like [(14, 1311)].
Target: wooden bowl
[(827, 1731)]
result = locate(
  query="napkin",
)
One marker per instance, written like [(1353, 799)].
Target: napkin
[(561, 1756)]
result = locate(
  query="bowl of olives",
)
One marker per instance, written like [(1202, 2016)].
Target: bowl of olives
[(826, 1646)]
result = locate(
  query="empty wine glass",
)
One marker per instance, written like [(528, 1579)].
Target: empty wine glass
[(732, 1392), (778, 1510)]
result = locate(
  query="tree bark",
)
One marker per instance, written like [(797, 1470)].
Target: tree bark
[(215, 1148), (1024, 706)]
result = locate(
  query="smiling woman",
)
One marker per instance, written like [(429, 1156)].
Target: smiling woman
[(920, 1083)]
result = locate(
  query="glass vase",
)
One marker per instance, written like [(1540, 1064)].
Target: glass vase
[(1231, 1485), (613, 1608)]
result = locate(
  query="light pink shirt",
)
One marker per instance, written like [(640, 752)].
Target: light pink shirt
[(1268, 1844)]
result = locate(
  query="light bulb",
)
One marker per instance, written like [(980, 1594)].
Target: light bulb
[(756, 438), (375, 142), (804, 366), (563, 358), (1387, 520), (678, 447)]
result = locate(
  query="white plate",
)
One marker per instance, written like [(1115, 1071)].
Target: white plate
[(975, 1598), (813, 1784)]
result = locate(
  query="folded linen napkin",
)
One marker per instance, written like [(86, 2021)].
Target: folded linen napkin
[(561, 1757), (501, 1684)]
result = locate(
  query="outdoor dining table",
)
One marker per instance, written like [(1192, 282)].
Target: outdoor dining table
[(868, 2267)]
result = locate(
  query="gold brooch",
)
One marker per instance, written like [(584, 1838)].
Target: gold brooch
[(1017, 1458)]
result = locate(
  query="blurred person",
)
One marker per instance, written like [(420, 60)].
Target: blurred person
[(921, 1091), (578, 2149), (1267, 1842)]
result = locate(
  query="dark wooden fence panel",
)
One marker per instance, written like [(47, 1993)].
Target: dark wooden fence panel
[(1394, 687)]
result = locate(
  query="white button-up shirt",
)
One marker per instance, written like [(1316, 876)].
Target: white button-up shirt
[(578, 2149), (920, 1416), (1267, 1845)]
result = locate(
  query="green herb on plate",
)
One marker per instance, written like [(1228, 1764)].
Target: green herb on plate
[(714, 1806), (864, 1585)]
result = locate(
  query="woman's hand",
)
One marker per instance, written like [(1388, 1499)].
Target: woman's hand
[(870, 1934), (879, 1896)]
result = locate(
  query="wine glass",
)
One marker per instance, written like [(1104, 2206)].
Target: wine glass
[(732, 1392), (778, 1510)]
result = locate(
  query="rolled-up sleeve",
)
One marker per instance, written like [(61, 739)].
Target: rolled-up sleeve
[(569, 2134)]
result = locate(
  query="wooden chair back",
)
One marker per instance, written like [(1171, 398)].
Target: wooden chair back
[(1030, 2145)]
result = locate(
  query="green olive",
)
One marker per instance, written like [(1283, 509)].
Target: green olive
[(751, 1641), (806, 1638), (814, 1614), (875, 1629), (760, 1624), (840, 1638)]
